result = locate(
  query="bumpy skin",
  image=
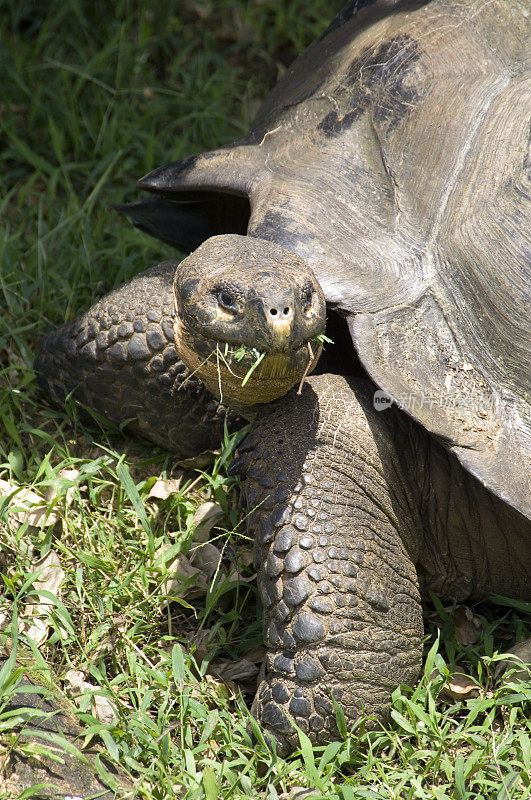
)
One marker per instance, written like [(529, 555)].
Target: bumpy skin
[(355, 512), (335, 546), (351, 509), (119, 359)]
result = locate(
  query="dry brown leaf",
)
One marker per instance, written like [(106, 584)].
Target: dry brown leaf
[(84, 694), (51, 491), (37, 631), (198, 462), (182, 571), (246, 556), (207, 557), (50, 578), (466, 625), (5, 618), (103, 709), (74, 683), (164, 487), (183, 567), (10, 358), (202, 562), (241, 670), (521, 671), (459, 686), (207, 515), (201, 644), (300, 793), (256, 654), (26, 506), (237, 577)]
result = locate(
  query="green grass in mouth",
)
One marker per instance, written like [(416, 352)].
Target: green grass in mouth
[(321, 339), (240, 353), (243, 351)]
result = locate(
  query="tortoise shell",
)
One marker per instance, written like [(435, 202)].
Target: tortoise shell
[(393, 156)]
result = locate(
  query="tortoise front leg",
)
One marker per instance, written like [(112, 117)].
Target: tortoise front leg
[(336, 540), (119, 359)]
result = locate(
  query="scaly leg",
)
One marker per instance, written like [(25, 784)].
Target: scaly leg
[(336, 538), (119, 359)]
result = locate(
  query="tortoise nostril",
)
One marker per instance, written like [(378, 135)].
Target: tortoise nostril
[(275, 312)]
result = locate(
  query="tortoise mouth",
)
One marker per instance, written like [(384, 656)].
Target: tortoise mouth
[(240, 375), (249, 363)]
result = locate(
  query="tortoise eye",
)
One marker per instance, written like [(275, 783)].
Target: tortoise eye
[(307, 297), (227, 301)]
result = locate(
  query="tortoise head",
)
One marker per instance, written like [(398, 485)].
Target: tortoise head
[(248, 317)]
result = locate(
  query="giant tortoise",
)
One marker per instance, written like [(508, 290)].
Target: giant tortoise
[(383, 183)]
